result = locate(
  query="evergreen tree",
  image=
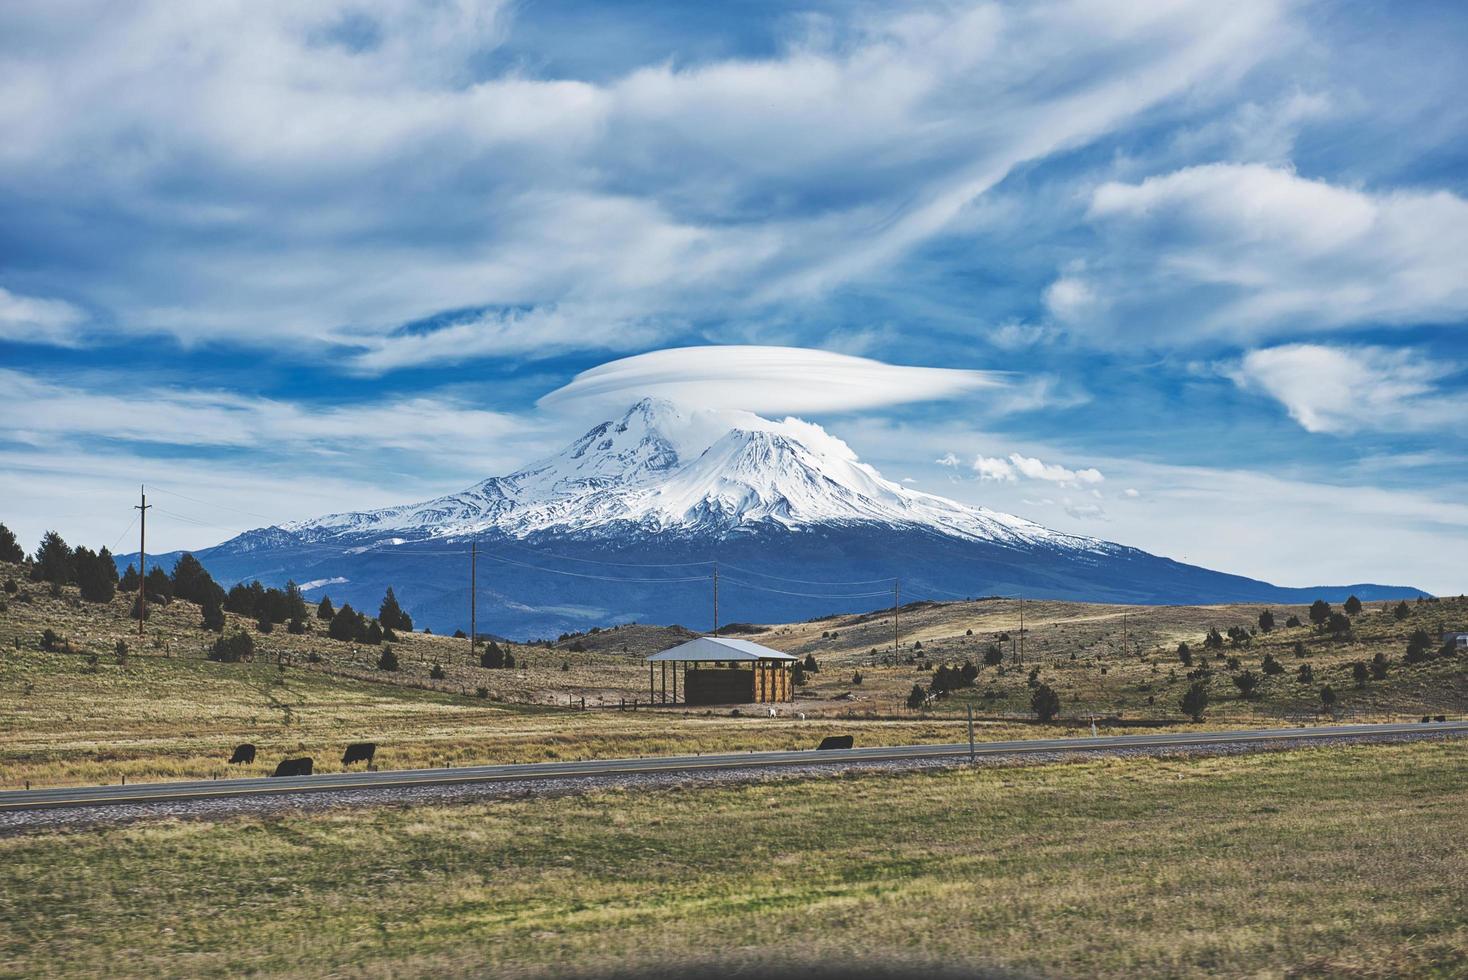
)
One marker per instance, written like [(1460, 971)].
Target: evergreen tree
[(993, 656), (1353, 606), (96, 575), (1293, 622), (373, 635), (810, 664), (190, 581), (390, 614), (1419, 645), (917, 697), (53, 561), (509, 659), (1379, 665), (1327, 697), (212, 611), (295, 603), (493, 657), (244, 600), (129, 581), (324, 609), (1185, 654), (158, 585), (1271, 666), (1195, 702), (1402, 611), (1319, 612), (233, 647), (296, 627), (1339, 625), (388, 660), (343, 624), (1214, 639), (10, 549), (1266, 621), (1246, 682), (1045, 703), (1360, 673), (1306, 674), (968, 674)]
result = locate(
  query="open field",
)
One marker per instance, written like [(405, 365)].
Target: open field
[(1331, 861), (165, 711)]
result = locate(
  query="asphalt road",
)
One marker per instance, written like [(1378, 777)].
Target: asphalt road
[(72, 796)]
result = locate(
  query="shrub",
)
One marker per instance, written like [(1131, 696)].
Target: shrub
[(1320, 613), (481, 692), (296, 627), (436, 672), (233, 647), (1185, 654), (1353, 606), (509, 660), (1327, 697), (387, 660), (1306, 674), (917, 697), (212, 614), (1045, 703), (993, 655), (10, 587), (1339, 626), (565, 665), (1195, 701), (1293, 622), (1266, 621), (1379, 665), (265, 625), (1214, 640), (1418, 646), (798, 674), (856, 679), (373, 635), (1270, 666), (120, 649), (1402, 611), (1299, 648), (493, 657), (577, 647), (1360, 673), (324, 609), (50, 641), (811, 665)]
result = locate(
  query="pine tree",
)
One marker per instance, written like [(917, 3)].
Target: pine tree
[(917, 697), (810, 664), (96, 575), (324, 610), (190, 581), (1246, 682), (1319, 612), (993, 655), (1402, 611), (10, 549), (158, 585), (388, 660), (129, 581), (374, 634), (212, 612), (53, 562), (1379, 666), (1353, 606), (1195, 702), (1327, 697), (1266, 621), (1045, 703), (390, 614), (1360, 673), (493, 657), (343, 624), (295, 603)]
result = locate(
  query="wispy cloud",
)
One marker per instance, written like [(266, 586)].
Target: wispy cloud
[(992, 468), (1346, 389), (1247, 250), (39, 321)]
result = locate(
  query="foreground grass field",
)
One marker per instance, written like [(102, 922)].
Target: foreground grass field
[(1344, 861)]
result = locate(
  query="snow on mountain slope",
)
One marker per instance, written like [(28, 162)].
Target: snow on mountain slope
[(667, 469)]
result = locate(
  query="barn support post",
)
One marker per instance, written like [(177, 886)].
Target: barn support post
[(665, 683), (651, 684)]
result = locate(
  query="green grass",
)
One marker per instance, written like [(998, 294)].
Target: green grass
[(1330, 861)]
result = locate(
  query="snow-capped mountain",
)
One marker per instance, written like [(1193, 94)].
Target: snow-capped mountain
[(666, 470), (624, 524)]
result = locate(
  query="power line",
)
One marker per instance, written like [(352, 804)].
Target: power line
[(806, 581), (808, 595)]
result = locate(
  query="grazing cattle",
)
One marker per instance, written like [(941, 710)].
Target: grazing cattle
[(1426, 719), (774, 712), (835, 742), (800, 715), (359, 752), (1441, 717), (243, 753), (293, 767)]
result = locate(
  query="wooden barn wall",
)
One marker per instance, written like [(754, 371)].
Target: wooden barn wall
[(718, 686)]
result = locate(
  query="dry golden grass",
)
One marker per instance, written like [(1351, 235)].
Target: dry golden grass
[(1342, 861), (167, 712)]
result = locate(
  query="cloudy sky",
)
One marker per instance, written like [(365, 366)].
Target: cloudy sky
[(1187, 275)]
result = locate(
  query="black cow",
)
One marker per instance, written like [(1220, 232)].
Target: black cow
[(293, 767), (1440, 717), (835, 742), (359, 752), (243, 753), (1426, 719)]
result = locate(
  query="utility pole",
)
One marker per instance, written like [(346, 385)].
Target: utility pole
[(142, 508), (896, 605), (716, 599), (473, 598)]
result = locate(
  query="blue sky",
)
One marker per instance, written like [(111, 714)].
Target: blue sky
[(286, 259)]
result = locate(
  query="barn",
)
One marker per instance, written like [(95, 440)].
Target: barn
[(717, 670)]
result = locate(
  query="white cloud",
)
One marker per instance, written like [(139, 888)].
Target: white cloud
[(1132, 492), (949, 460), (38, 321), (995, 470), (1248, 250), (255, 142), (1008, 470), (1084, 510), (766, 379), (1346, 389)]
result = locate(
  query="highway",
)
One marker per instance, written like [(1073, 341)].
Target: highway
[(142, 793)]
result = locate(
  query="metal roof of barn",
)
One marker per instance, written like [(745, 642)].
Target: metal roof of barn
[(715, 648)]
